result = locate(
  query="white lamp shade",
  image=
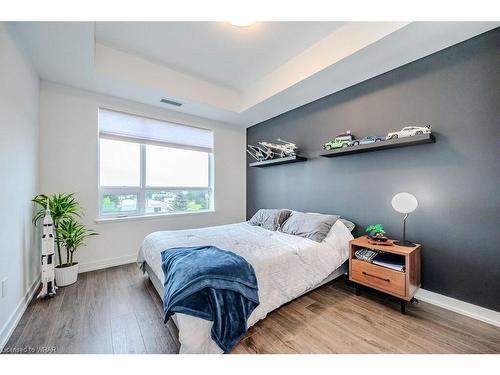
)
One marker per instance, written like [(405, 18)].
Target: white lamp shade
[(404, 203)]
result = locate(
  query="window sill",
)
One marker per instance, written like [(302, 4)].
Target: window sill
[(105, 220)]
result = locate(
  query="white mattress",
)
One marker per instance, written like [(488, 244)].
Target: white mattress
[(286, 267)]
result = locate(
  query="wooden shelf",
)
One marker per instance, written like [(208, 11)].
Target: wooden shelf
[(278, 161), (382, 145)]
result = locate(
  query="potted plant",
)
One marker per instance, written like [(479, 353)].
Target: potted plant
[(63, 208), (72, 235), (376, 232)]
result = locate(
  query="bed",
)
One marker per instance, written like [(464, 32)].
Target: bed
[(286, 266)]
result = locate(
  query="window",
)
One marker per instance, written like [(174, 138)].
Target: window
[(149, 166)]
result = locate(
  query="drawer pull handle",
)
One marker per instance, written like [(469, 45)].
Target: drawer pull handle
[(377, 277)]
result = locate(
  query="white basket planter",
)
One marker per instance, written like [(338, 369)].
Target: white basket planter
[(66, 275)]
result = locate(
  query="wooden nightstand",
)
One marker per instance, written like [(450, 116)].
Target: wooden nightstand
[(402, 285)]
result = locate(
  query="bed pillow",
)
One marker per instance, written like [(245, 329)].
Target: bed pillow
[(271, 219), (312, 226), (349, 224)]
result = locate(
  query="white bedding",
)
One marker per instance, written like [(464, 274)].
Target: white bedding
[(286, 266)]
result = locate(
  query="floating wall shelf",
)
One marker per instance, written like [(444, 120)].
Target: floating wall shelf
[(382, 145), (287, 160)]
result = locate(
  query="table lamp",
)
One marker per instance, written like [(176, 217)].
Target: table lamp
[(404, 203)]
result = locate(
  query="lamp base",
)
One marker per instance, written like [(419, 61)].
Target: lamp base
[(404, 243)]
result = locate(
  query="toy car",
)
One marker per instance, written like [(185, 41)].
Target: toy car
[(369, 139), (408, 131), (342, 140)]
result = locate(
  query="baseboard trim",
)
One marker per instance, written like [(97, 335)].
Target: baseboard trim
[(106, 263), (468, 309), (14, 318)]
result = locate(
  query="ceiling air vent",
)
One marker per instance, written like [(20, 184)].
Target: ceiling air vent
[(171, 102)]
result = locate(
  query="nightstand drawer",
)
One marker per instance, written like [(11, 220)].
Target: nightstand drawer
[(378, 277)]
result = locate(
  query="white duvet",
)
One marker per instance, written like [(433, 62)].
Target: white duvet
[(286, 266)]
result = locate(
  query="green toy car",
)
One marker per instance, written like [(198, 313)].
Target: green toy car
[(342, 140)]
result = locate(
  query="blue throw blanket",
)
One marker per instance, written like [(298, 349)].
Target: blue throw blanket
[(212, 284)]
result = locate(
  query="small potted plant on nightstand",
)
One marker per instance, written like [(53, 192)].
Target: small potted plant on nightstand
[(376, 233)]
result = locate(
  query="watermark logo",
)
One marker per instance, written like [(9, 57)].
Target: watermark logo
[(30, 350)]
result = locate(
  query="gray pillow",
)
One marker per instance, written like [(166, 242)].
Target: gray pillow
[(349, 224), (270, 218), (312, 226)]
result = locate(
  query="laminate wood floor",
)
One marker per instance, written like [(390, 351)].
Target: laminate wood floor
[(117, 310)]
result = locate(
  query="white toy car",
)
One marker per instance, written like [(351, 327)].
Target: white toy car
[(408, 131)]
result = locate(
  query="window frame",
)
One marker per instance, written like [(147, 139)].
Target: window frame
[(142, 189)]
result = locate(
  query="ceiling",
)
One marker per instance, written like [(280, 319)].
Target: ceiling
[(240, 76), (216, 51)]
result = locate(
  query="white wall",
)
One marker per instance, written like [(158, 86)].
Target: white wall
[(68, 163), (19, 255)]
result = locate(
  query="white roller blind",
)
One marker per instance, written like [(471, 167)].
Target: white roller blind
[(119, 125)]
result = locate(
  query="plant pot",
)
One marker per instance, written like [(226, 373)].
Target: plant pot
[(66, 275)]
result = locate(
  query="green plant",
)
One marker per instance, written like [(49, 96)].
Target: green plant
[(180, 202), (374, 229), (72, 235), (62, 207)]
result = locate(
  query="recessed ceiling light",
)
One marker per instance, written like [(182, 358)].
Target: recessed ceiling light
[(241, 22)]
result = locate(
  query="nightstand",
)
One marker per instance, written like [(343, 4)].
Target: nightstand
[(402, 285)]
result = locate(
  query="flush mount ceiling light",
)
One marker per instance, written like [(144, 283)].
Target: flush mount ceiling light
[(241, 22)]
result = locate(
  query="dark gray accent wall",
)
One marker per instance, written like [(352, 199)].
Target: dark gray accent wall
[(456, 180)]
